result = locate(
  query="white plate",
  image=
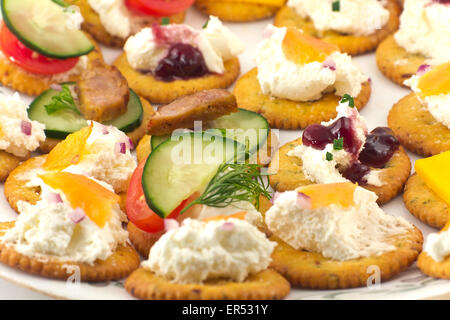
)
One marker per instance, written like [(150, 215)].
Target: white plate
[(411, 284)]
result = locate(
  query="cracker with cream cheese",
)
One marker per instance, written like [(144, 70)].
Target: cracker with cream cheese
[(353, 45), (416, 128), (288, 114), (16, 188), (287, 173), (93, 25), (156, 91), (395, 62), (424, 204), (433, 268), (314, 271), (13, 76), (265, 285), (235, 11), (117, 266), (135, 135)]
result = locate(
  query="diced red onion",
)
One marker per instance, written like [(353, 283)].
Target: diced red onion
[(130, 144), (77, 215), (105, 131), (228, 226), (121, 147), (303, 200), (423, 69), (26, 127), (56, 87), (330, 64), (275, 197), (170, 224), (54, 197)]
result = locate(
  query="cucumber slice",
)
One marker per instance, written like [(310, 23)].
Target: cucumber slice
[(247, 127), (250, 128), (60, 124), (41, 25), (182, 166)]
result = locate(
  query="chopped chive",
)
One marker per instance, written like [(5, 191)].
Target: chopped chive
[(165, 21), (329, 156), (206, 24), (348, 98), (338, 144), (336, 5)]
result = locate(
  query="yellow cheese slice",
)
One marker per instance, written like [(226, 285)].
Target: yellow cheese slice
[(435, 171), (272, 3), (302, 49), (324, 195), (436, 81)]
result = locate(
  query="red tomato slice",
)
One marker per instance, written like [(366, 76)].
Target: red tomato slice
[(159, 8), (29, 60), (137, 209)]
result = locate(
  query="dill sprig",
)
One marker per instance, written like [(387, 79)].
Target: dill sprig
[(234, 183)]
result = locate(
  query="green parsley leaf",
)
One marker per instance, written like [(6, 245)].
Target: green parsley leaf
[(61, 3), (329, 156), (338, 144), (336, 5), (205, 25), (62, 101), (348, 98), (165, 21)]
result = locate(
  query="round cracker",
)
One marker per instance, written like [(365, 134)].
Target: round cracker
[(312, 270), (141, 240), (16, 190), (264, 285), (287, 173), (287, 17), (13, 76), (416, 129), (8, 162), (93, 25), (424, 204), (395, 62), (288, 114), (157, 91), (235, 11), (433, 268), (117, 266), (49, 143)]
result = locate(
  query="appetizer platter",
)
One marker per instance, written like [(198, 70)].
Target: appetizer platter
[(343, 193)]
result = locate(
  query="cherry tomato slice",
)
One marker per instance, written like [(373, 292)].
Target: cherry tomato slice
[(159, 8), (29, 60), (137, 209)]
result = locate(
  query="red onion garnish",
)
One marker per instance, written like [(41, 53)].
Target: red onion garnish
[(26, 126), (228, 226), (170, 224), (424, 68), (105, 130), (77, 215), (130, 144), (56, 87), (275, 197), (54, 197), (121, 147), (303, 201), (330, 64)]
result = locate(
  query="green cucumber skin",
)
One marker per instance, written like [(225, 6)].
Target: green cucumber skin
[(156, 140), (34, 47), (60, 134), (151, 202)]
